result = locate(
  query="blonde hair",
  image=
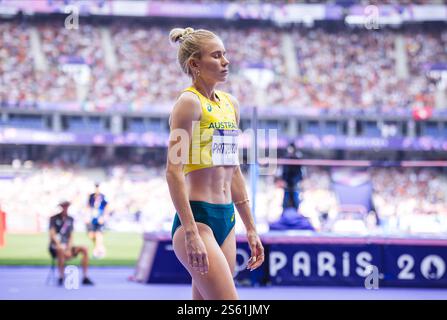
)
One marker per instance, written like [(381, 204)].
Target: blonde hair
[(191, 42)]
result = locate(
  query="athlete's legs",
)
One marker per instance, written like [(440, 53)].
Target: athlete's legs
[(98, 237), (229, 250), (84, 262), (91, 235), (195, 292), (218, 283), (100, 243), (99, 250), (61, 262)]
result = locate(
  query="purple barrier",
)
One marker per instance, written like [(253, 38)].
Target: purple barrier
[(304, 259), (365, 143), (151, 139)]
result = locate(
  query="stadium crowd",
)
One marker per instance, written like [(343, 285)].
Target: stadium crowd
[(334, 69)]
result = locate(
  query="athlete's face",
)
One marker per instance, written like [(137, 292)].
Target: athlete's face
[(213, 65)]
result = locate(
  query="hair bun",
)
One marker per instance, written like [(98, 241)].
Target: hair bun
[(187, 31), (179, 34)]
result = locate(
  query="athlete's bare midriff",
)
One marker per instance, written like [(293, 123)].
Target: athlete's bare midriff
[(211, 185)]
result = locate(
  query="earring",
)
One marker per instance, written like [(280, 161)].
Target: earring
[(198, 73)]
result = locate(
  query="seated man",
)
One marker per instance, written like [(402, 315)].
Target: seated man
[(61, 245)]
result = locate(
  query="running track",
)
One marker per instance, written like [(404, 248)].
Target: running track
[(28, 283)]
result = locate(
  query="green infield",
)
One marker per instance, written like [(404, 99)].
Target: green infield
[(123, 249)]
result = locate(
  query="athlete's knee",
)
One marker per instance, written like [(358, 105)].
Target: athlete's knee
[(60, 252), (82, 250)]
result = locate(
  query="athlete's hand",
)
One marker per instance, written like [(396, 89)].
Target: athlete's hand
[(257, 251), (197, 254)]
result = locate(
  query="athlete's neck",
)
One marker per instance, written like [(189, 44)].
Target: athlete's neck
[(207, 91)]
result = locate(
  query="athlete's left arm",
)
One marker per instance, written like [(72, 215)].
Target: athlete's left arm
[(240, 198)]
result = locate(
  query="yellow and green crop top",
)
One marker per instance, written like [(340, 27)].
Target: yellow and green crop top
[(215, 137)]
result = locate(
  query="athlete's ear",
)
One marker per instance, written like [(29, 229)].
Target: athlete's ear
[(194, 67), (194, 64)]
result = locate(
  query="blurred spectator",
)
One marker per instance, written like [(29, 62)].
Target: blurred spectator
[(292, 176), (97, 207)]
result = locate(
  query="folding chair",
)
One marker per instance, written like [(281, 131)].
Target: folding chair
[(51, 277)]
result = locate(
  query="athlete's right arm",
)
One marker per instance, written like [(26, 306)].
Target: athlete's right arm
[(186, 110)]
